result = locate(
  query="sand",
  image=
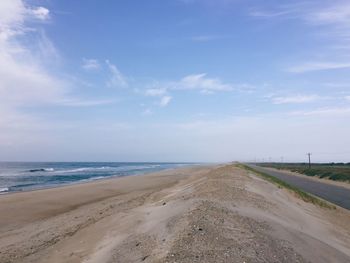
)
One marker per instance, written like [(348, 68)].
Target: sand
[(199, 214)]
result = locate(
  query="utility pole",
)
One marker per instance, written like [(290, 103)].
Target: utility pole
[(309, 154)]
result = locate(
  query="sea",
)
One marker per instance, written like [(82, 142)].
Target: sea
[(26, 176)]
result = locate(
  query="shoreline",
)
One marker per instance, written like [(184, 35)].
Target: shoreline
[(92, 180), (58, 199), (212, 213)]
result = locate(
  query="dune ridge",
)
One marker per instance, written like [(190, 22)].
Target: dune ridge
[(200, 214)]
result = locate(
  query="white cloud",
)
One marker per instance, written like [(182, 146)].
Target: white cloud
[(25, 77), (333, 13), (46, 50), (154, 92), (26, 74), (11, 11), (24, 80), (337, 13), (317, 66), (41, 13), (90, 64), (199, 82), (27, 83), (12, 16), (347, 98), (117, 80), (295, 99), (14, 13), (202, 83), (165, 101), (159, 92)]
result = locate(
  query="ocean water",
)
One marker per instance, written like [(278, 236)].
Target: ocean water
[(24, 176)]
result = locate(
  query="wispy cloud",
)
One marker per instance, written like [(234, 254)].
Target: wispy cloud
[(40, 12), (202, 83), (90, 64), (165, 101), (295, 99), (24, 78), (328, 19), (313, 13), (163, 93), (270, 14), (325, 112), (154, 92), (27, 66), (287, 11), (317, 66), (116, 80), (333, 17), (337, 13), (193, 82)]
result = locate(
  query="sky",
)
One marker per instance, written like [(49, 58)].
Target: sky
[(175, 80)]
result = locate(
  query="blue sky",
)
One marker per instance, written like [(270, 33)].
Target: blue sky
[(174, 80)]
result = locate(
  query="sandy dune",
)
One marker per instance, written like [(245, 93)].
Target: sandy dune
[(199, 214)]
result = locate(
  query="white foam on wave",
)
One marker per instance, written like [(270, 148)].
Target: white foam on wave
[(94, 178), (107, 169), (75, 170), (138, 167), (4, 189), (120, 168), (85, 169)]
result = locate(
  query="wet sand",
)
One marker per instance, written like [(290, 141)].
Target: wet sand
[(199, 214)]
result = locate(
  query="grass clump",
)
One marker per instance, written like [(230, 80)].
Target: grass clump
[(331, 171), (280, 183)]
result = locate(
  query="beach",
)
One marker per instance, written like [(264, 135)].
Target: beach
[(208, 213)]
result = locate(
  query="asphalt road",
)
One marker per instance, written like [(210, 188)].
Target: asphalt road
[(332, 193)]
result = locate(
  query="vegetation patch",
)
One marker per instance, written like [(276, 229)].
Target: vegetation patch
[(331, 171), (300, 193)]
